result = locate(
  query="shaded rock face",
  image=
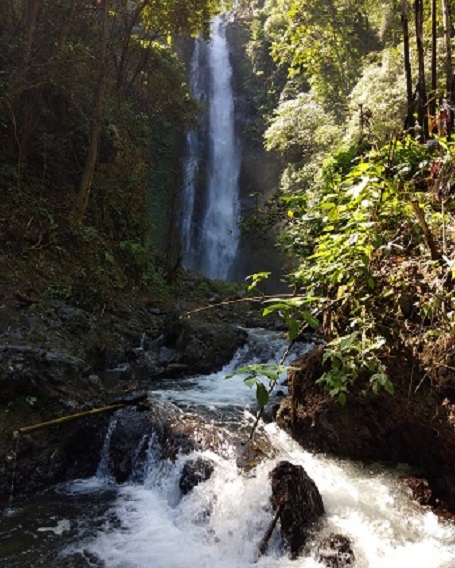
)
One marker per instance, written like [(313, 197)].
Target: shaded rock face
[(207, 347), (195, 472), (128, 444), (33, 371), (56, 360), (187, 346), (399, 428), (58, 454), (300, 502), (335, 551)]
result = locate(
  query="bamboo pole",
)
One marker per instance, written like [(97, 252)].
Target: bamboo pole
[(63, 419)]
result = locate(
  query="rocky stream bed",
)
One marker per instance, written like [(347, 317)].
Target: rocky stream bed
[(56, 360)]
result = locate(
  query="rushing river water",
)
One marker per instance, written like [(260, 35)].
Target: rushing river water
[(148, 524)]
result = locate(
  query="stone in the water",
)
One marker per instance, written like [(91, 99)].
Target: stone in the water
[(335, 551), (300, 502), (195, 472)]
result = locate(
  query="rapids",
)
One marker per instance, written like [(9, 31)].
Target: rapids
[(146, 522)]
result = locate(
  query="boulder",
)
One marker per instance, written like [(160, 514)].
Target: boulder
[(128, 443), (203, 347), (300, 504), (410, 427), (195, 472)]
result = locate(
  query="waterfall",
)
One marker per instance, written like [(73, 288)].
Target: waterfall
[(210, 232), (192, 166)]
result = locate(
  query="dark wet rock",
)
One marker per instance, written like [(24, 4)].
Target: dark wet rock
[(73, 319), (173, 433), (122, 372), (207, 347), (166, 356), (128, 443), (54, 455), (157, 311), (33, 371), (335, 551), (252, 452), (195, 472), (296, 494), (183, 434), (400, 428), (204, 347), (176, 433), (420, 489)]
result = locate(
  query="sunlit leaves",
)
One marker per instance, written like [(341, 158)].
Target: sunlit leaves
[(256, 374), (354, 357)]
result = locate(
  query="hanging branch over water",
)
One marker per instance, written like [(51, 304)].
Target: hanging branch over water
[(258, 299)]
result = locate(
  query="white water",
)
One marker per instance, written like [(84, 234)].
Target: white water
[(148, 524), (213, 250), (219, 524), (192, 166)]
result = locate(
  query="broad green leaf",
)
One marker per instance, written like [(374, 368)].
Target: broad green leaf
[(250, 381), (262, 395), (311, 320), (293, 329)]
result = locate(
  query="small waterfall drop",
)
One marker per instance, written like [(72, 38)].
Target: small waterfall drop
[(103, 472), (210, 232)]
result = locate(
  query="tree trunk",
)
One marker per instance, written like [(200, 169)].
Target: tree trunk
[(421, 88), (434, 75), (66, 25), (31, 14), (126, 33), (85, 186), (409, 121), (450, 87)]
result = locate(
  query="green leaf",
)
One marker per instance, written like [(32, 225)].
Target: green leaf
[(342, 398), (389, 387), (262, 395), (293, 329), (250, 381), (311, 320)]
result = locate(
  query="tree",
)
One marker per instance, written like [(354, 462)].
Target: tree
[(407, 64), (422, 109), (81, 203)]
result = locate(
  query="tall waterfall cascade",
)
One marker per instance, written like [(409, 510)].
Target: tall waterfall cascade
[(211, 204)]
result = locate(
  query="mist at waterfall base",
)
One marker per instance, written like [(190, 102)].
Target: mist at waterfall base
[(210, 205), (146, 522)]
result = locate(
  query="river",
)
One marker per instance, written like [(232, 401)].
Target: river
[(146, 523)]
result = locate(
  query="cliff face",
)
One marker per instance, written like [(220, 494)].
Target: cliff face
[(260, 169)]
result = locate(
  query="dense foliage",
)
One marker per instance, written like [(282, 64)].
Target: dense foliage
[(92, 95), (367, 204)]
